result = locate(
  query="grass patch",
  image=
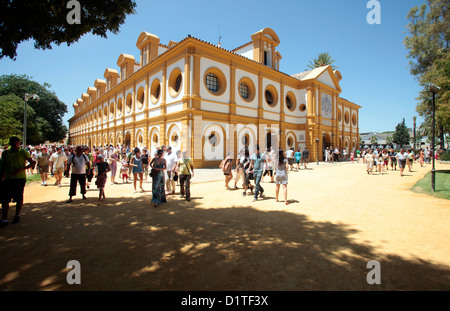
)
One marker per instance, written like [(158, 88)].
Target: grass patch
[(33, 178), (442, 185)]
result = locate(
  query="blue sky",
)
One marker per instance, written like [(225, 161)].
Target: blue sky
[(371, 58)]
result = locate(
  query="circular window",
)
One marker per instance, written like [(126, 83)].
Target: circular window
[(213, 139), (215, 81), (111, 111), (354, 119), (271, 96), (246, 89), (290, 142), (155, 91), (140, 98), (129, 103), (290, 101), (212, 82), (302, 108), (175, 80), (243, 90), (120, 107), (155, 140), (339, 115), (346, 117), (175, 139)]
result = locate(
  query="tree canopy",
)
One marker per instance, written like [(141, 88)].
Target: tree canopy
[(428, 45), (323, 59), (401, 134), (44, 118), (46, 22)]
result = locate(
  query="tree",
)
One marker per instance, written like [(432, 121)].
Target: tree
[(11, 120), (428, 45), (373, 140), (47, 22), (401, 134), (324, 59), (49, 110), (389, 141)]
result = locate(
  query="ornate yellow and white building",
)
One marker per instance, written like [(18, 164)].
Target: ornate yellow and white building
[(196, 96)]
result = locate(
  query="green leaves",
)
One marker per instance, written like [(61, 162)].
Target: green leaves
[(324, 59), (45, 22), (401, 134), (428, 45), (44, 118)]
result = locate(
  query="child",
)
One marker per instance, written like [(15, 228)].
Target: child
[(124, 170), (352, 157), (102, 168)]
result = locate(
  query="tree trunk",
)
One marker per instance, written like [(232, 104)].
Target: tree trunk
[(441, 136)]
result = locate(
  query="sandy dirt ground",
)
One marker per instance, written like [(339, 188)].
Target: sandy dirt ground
[(339, 219)]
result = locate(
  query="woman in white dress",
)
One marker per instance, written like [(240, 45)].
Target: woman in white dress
[(281, 177), (369, 161)]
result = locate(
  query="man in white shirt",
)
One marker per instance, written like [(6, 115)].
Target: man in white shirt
[(171, 160), (427, 155), (290, 157), (79, 162), (401, 157), (58, 161)]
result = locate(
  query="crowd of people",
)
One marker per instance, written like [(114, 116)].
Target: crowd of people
[(81, 165), (168, 169), (257, 165), (380, 159)]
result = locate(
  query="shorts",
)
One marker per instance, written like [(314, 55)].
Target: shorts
[(170, 175), (291, 161), (305, 160), (13, 190), (401, 163), (59, 170), (124, 176), (101, 182), (43, 169)]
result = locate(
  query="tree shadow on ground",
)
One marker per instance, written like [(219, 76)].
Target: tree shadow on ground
[(126, 244)]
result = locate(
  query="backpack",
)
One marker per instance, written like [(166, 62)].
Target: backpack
[(222, 165), (73, 157), (227, 166)]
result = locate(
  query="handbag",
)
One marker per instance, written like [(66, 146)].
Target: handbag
[(175, 177), (152, 173)]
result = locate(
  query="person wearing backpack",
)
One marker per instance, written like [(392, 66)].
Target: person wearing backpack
[(226, 166), (79, 161), (43, 162), (186, 166)]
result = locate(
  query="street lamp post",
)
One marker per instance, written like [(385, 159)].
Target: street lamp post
[(434, 89), (414, 119), (27, 97)]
